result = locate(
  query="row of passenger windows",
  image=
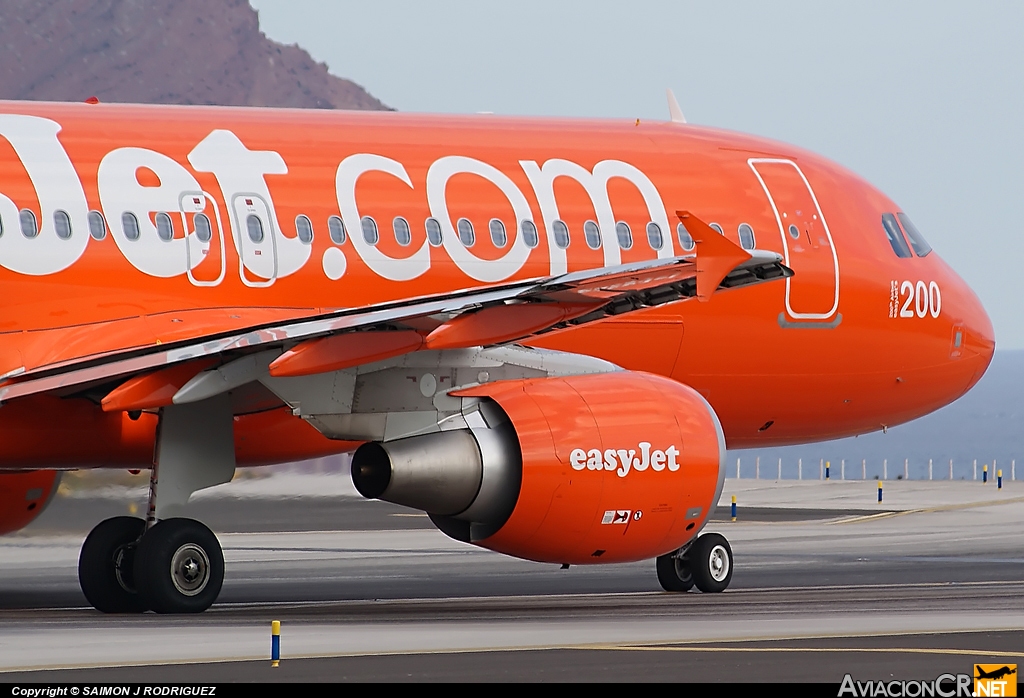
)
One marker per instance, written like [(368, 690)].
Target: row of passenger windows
[(465, 230), (896, 239), (61, 224)]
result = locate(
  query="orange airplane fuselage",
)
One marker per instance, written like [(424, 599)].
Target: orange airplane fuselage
[(130, 226)]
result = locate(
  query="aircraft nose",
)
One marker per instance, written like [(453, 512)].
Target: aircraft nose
[(974, 340)]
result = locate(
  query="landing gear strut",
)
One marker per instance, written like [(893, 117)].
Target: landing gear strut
[(706, 564), (166, 564)]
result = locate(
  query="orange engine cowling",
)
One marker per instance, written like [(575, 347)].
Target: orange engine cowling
[(612, 467), (24, 496)]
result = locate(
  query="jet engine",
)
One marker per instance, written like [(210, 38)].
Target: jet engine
[(611, 467), (24, 496)]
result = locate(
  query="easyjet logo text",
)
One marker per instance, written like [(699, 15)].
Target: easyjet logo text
[(623, 460)]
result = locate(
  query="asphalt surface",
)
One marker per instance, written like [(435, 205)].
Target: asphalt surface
[(827, 660), (370, 592)]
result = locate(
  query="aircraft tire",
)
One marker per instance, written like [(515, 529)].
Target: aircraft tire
[(106, 570), (710, 559), (179, 567), (674, 572)]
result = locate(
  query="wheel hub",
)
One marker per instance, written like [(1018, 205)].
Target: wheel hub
[(719, 563), (190, 569)]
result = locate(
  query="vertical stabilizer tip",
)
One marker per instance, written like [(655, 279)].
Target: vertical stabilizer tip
[(674, 112)]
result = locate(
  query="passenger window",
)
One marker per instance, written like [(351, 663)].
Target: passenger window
[(303, 229), (433, 231), (895, 236), (466, 233), (794, 232), (747, 240), (164, 229), (530, 236), (717, 228), (369, 226), (917, 241), (97, 226), (561, 232), (254, 226), (130, 225), (654, 237), (204, 231), (498, 235), (624, 235), (336, 229), (685, 239), (28, 223), (592, 234), (403, 234), (62, 224)]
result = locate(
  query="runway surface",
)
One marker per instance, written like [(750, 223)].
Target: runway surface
[(368, 591)]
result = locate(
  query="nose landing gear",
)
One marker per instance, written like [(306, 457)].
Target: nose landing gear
[(706, 563)]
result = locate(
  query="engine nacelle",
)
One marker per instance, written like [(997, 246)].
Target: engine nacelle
[(465, 478), (24, 496), (612, 467)]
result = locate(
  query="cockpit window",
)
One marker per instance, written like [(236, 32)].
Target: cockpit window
[(895, 235), (917, 241)]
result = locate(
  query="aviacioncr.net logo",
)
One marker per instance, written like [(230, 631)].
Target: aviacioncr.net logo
[(622, 460), (944, 686)]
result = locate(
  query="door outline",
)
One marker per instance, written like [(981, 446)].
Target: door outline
[(219, 232), (242, 235), (752, 162)]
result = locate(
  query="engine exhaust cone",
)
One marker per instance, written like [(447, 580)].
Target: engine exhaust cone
[(371, 470)]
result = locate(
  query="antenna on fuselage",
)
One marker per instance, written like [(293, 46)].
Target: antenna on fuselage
[(674, 112)]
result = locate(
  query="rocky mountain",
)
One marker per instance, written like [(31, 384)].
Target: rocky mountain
[(181, 52)]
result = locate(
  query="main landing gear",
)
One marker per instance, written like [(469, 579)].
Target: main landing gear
[(163, 563), (706, 563), (175, 567)]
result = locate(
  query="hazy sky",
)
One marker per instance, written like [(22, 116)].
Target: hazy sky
[(924, 99)]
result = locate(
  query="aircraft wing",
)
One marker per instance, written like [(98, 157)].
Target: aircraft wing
[(480, 316)]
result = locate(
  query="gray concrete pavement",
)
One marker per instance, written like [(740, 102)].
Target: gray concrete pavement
[(940, 560)]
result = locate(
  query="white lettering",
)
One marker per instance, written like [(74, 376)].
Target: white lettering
[(942, 679), (658, 461), (645, 457), (624, 465), (391, 268), (512, 261), (610, 462), (625, 458), (672, 452), (121, 192), (847, 686), (57, 187), (241, 173), (622, 460), (542, 179)]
